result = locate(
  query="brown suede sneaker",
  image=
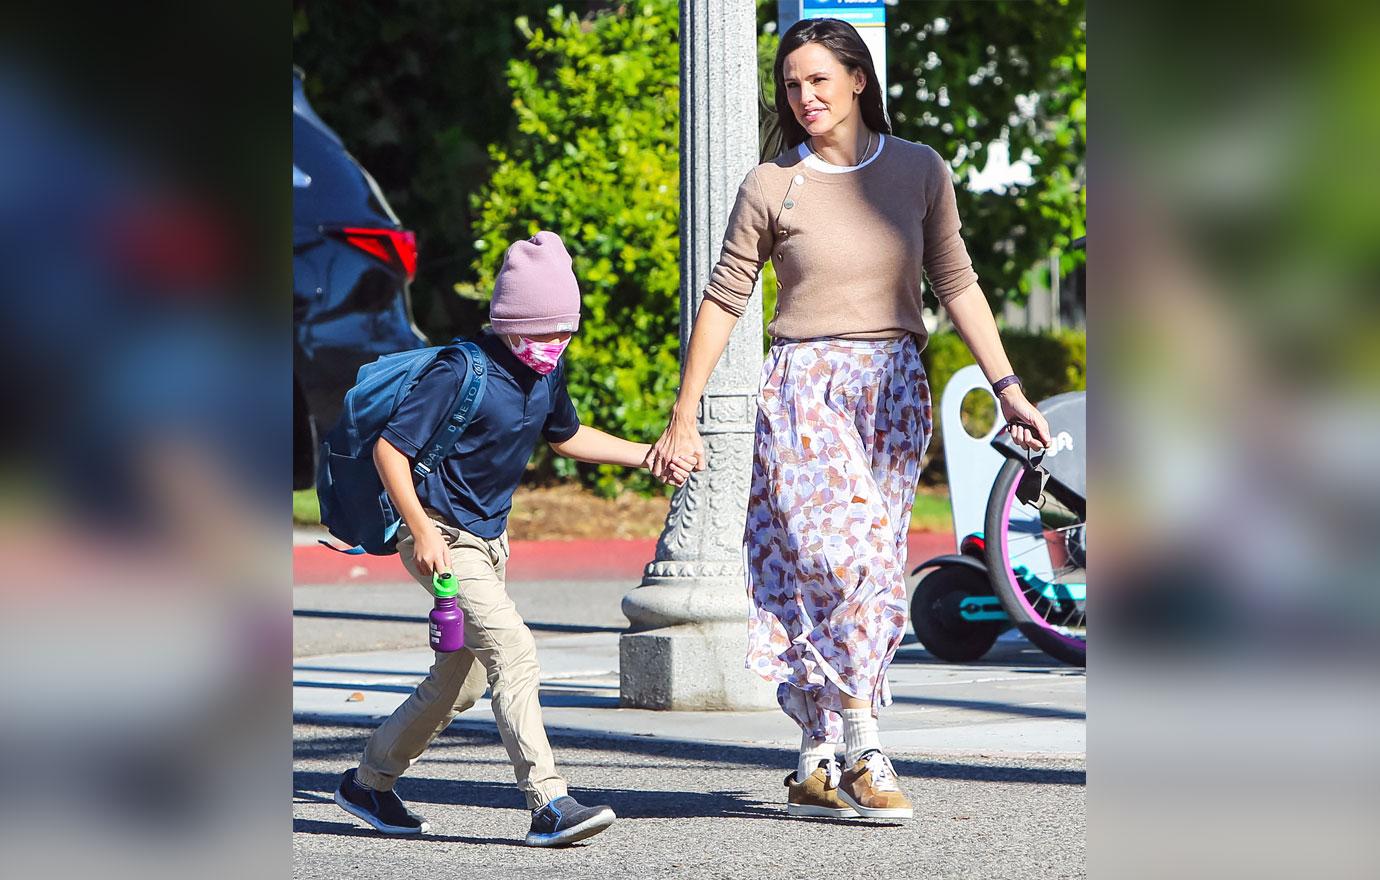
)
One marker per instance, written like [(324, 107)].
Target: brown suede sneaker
[(817, 795), (870, 787)]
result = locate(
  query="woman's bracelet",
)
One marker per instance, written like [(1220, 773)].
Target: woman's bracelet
[(1006, 382)]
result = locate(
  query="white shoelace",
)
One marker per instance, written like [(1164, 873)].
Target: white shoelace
[(883, 775), (834, 774)]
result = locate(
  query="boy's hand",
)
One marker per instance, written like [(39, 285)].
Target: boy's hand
[(676, 471), (430, 551)]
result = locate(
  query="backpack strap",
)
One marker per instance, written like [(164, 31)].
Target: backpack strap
[(348, 551), (466, 404)]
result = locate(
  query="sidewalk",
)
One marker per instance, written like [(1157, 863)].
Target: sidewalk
[(1006, 709), (1015, 702), (991, 753)]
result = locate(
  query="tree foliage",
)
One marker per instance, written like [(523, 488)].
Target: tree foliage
[(595, 157), (417, 90), (1051, 363), (485, 122), (963, 75)]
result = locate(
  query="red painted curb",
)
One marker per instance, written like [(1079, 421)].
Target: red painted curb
[(541, 560), (530, 561)]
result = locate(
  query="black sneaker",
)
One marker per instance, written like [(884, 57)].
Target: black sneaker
[(565, 820), (382, 809)]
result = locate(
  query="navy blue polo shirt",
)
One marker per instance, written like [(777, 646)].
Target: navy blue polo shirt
[(473, 487)]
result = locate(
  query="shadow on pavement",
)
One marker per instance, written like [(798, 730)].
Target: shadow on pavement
[(418, 791), (344, 829), (348, 747), (691, 805), (991, 706)]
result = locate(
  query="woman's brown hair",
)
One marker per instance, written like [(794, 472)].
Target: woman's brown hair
[(842, 39)]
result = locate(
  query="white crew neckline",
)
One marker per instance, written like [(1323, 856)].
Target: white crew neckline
[(815, 163)]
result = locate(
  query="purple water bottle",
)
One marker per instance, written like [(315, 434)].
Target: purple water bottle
[(447, 622)]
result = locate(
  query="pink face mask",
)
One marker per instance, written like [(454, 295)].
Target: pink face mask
[(540, 356)]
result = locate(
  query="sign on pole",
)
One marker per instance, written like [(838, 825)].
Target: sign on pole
[(868, 16)]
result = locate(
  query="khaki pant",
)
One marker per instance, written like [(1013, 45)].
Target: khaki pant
[(497, 638)]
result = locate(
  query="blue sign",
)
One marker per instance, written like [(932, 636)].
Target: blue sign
[(868, 16), (859, 13)]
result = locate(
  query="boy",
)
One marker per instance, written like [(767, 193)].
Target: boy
[(454, 521)]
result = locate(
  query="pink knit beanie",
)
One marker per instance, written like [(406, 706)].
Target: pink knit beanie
[(535, 292)]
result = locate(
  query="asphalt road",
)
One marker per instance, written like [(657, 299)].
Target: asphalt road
[(688, 811)]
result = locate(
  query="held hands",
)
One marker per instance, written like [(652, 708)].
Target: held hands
[(677, 453), (1029, 429), (675, 472)]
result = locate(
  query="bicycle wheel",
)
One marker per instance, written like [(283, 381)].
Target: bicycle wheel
[(1037, 564), (938, 622)]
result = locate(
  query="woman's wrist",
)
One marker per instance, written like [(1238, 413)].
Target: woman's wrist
[(682, 415), (1006, 383)]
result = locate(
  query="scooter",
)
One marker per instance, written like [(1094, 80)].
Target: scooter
[(953, 611), (1018, 563)]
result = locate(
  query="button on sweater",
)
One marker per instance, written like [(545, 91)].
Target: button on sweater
[(848, 246)]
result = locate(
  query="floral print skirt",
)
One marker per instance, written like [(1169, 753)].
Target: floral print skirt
[(841, 428)]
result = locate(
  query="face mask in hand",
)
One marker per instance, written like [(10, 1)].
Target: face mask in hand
[(1031, 488), (540, 356)]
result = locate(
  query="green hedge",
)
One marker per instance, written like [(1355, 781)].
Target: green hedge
[(1048, 363), (596, 157)]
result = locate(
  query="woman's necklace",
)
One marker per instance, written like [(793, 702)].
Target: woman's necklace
[(866, 150)]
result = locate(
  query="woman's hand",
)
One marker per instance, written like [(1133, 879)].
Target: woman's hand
[(678, 452), (1021, 415), (430, 551), (676, 472)]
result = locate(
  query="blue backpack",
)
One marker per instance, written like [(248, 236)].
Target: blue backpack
[(355, 508)]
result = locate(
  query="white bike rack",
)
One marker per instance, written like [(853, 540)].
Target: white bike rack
[(973, 464)]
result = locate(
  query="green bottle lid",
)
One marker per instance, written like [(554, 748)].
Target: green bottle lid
[(444, 586)]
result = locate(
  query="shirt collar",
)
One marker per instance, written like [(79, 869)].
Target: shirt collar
[(815, 163), (499, 352)]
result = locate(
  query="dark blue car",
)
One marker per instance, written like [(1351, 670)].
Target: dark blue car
[(352, 262)]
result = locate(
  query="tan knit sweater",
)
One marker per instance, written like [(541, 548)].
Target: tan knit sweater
[(848, 246)]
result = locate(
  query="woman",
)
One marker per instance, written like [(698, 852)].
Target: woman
[(849, 216)]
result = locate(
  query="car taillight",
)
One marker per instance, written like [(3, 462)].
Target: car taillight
[(396, 247)]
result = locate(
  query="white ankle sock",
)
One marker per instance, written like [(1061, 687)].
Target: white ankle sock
[(859, 734), (812, 751)]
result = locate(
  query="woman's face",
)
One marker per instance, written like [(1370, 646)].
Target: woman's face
[(821, 91)]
